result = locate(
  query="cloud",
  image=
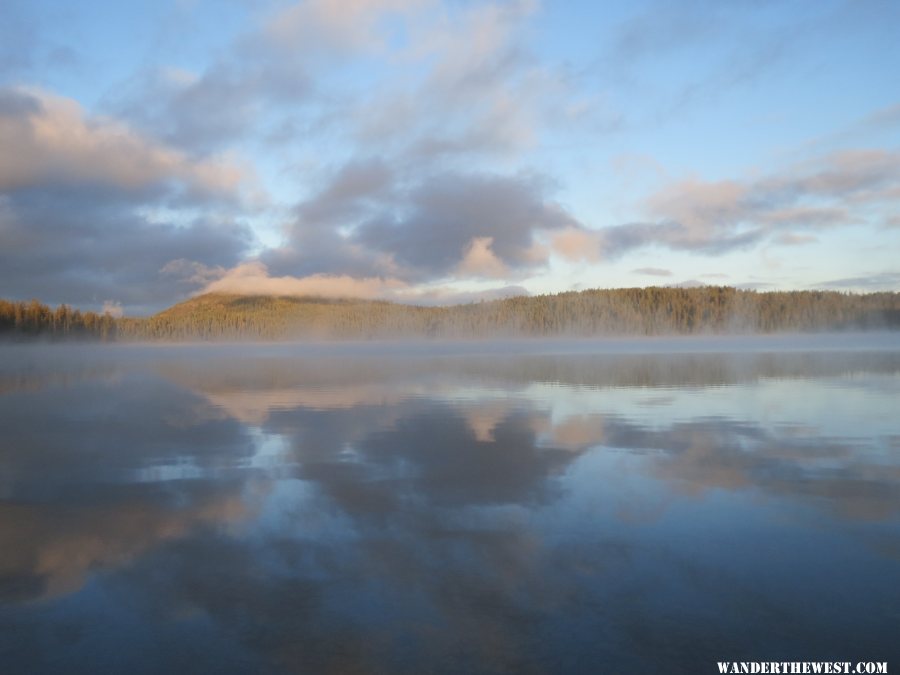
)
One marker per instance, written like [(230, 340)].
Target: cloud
[(90, 209), (716, 217), (480, 261), (855, 173), (576, 244), (252, 278), (49, 139), (883, 118), (684, 56), (455, 90), (274, 80), (807, 216), (348, 192), (439, 218), (83, 246), (484, 95), (661, 31), (623, 238), (697, 205), (652, 271), (206, 111), (364, 222), (881, 281), (870, 126), (336, 25), (405, 194), (790, 239), (283, 76), (279, 78), (400, 134)]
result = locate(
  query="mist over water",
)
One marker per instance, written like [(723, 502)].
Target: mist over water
[(625, 506)]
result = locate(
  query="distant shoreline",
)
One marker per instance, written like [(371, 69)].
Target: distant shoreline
[(591, 314)]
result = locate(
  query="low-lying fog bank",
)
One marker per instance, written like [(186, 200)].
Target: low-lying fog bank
[(793, 342)]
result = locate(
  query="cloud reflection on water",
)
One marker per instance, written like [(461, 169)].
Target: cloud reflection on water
[(490, 515)]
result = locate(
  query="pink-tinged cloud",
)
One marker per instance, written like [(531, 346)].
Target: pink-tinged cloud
[(336, 25), (252, 278), (698, 205), (720, 216), (578, 245), (480, 261), (48, 138), (791, 239)]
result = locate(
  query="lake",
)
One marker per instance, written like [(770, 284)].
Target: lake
[(617, 506)]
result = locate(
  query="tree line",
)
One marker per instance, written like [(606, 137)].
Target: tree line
[(627, 311), (32, 320)]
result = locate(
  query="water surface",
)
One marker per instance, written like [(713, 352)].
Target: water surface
[(537, 509)]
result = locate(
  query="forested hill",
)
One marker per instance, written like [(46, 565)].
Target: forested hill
[(631, 311)]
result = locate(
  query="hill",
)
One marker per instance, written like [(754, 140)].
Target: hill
[(627, 311), (637, 311), (219, 316)]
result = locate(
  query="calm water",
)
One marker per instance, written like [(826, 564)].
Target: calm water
[(528, 510)]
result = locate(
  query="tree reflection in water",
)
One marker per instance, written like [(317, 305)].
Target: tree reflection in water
[(520, 513)]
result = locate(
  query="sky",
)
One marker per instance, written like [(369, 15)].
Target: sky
[(435, 152)]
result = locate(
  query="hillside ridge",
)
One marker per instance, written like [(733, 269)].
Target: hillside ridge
[(595, 312)]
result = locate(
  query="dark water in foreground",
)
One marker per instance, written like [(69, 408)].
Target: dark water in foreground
[(280, 509)]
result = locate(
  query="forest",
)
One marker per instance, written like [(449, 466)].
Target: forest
[(32, 320), (599, 312)]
